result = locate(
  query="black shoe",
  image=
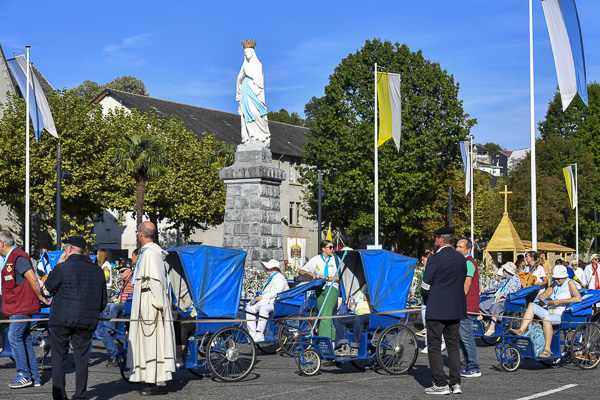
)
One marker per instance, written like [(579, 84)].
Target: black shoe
[(112, 362), (153, 390)]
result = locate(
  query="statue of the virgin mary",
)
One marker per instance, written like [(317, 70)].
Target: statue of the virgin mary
[(250, 92)]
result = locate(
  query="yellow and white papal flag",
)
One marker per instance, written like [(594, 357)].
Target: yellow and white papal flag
[(571, 185), (390, 107)]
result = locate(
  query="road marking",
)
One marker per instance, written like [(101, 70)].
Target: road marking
[(542, 394)]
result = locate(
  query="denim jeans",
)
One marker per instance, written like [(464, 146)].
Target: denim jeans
[(112, 310), (468, 346), (356, 322), (101, 333), (22, 347)]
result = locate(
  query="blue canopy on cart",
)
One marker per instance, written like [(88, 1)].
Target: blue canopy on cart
[(301, 289), (388, 276), (214, 277), (49, 259), (587, 301)]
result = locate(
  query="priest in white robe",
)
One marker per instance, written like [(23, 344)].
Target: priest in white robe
[(151, 352)]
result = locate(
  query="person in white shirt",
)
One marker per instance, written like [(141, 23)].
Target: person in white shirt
[(323, 266), (259, 308), (556, 299), (578, 274), (592, 273), (536, 269)]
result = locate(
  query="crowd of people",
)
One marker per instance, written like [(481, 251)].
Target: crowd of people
[(80, 293)]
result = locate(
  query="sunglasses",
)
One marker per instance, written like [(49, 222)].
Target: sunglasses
[(329, 247), (122, 270)]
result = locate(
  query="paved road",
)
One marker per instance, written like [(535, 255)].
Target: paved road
[(276, 377)]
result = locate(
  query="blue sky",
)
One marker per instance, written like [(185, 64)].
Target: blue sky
[(190, 51)]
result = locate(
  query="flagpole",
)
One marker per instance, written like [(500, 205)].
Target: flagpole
[(27, 249), (471, 188), (376, 169), (532, 154)]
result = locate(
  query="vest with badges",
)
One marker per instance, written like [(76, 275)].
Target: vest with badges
[(17, 299)]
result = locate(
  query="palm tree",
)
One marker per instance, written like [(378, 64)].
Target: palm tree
[(143, 157)]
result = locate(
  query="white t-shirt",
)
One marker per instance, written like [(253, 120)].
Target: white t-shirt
[(590, 278), (539, 273), (109, 266), (317, 264)]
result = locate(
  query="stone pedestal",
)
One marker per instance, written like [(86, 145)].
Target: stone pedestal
[(252, 207)]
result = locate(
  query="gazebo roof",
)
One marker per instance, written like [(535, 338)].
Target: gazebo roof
[(552, 247), (506, 237)]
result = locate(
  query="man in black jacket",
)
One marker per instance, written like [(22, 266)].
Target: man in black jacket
[(443, 293), (79, 291)]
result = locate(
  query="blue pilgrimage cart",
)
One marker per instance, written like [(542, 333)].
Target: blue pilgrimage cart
[(578, 335), (388, 277), (207, 285)]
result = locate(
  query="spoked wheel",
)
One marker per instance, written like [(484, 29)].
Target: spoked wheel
[(585, 346), (231, 354), (122, 360), (290, 330), (397, 349), (309, 363), (515, 320), (510, 358), (490, 340), (40, 337)]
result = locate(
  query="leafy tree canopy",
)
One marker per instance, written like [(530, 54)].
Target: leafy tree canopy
[(341, 144), (284, 116), (493, 147), (89, 90)]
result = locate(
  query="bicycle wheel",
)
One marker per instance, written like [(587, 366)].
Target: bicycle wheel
[(310, 363), (231, 354), (397, 349), (510, 359), (290, 330), (585, 346), (40, 337), (489, 340)]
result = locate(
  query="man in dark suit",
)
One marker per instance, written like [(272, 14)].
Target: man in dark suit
[(443, 293), (79, 291)]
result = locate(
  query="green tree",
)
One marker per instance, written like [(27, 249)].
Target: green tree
[(85, 139), (341, 144), (284, 116), (88, 90), (493, 147), (142, 156)]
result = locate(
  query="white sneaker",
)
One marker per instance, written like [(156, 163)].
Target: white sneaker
[(424, 351), (438, 390), (456, 389), (259, 337), (422, 333)]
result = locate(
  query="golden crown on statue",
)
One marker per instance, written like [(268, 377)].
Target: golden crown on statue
[(249, 44)]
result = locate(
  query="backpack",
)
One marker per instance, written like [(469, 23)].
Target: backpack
[(536, 334), (526, 279)]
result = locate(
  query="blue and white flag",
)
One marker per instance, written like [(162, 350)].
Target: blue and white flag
[(567, 46), (38, 105), (464, 150)]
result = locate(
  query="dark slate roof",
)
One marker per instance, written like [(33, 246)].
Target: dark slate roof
[(285, 139)]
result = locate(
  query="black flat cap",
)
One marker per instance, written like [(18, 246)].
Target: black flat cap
[(77, 241), (445, 231)]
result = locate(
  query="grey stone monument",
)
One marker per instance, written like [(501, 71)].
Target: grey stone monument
[(252, 206)]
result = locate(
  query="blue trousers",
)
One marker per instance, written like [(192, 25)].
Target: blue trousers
[(22, 348), (467, 345), (356, 322)]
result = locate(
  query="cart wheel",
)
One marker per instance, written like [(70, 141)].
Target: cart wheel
[(515, 320), (309, 363), (122, 360), (289, 332), (489, 340), (40, 337), (397, 349), (231, 354), (510, 358), (585, 346)]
